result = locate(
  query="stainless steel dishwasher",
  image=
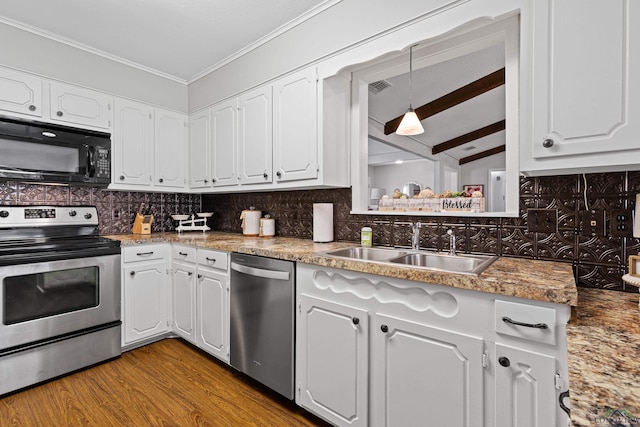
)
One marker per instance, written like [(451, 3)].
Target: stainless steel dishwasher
[(262, 320)]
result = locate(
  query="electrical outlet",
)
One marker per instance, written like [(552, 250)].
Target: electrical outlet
[(621, 223), (542, 220), (592, 223)]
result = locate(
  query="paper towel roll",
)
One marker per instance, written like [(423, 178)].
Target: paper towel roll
[(323, 222)]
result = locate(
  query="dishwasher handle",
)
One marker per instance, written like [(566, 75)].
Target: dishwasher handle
[(259, 272)]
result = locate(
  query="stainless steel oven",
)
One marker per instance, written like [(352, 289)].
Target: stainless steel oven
[(59, 294)]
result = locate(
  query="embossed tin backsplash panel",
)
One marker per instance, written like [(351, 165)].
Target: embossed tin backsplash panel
[(597, 262)]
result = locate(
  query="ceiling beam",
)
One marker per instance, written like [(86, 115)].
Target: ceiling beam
[(468, 137), (482, 155), (458, 96)]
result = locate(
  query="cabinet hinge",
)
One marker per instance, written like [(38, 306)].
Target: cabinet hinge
[(299, 306), (485, 360), (557, 381)]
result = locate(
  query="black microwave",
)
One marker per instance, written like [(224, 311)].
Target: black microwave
[(47, 153)]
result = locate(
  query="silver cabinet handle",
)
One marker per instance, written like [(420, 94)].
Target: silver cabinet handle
[(258, 272), (526, 325), (548, 143), (59, 114), (32, 107)]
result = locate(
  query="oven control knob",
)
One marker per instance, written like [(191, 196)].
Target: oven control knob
[(87, 215), (73, 213), (4, 214)]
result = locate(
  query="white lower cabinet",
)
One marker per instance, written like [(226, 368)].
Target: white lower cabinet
[(524, 381), (213, 313), (145, 293), (183, 302), (378, 351), (331, 372), (425, 373)]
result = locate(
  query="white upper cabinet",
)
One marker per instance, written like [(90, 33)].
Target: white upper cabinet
[(199, 141), (169, 148), (224, 143), (295, 126), (20, 93), (255, 136), (583, 63), (74, 105), (132, 139)]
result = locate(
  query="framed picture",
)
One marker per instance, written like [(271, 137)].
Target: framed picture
[(469, 189)]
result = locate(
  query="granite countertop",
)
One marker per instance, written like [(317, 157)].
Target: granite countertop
[(524, 278), (604, 357)]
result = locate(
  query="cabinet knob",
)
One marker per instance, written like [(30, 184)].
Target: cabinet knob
[(355, 320), (190, 273), (504, 361), (132, 273), (32, 107), (59, 114), (199, 276), (265, 175), (213, 180), (161, 180), (548, 143), (121, 177), (384, 328), (206, 181), (279, 174)]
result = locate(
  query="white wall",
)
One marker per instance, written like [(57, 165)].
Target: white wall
[(396, 176), (477, 172), (29, 52)]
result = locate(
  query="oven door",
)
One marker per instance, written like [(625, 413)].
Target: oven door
[(49, 299)]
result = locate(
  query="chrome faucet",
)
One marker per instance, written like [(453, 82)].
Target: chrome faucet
[(415, 238), (452, 242)]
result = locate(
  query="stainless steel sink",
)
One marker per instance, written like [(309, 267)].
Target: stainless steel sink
[(369, 254), (468, 264), (464, 264)]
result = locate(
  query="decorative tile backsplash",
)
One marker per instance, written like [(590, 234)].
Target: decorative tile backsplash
[(597, 262), (116, 209)]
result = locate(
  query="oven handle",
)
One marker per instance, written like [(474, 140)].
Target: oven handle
[(259, 272)]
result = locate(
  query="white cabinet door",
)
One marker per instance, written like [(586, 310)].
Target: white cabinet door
[(425, 373), (212, 313), (169, 148), (255, 137), (224, 143), (20, 93), (331, 365), (133, 139), (524, 388), (145, 300), (585, 82), (199, 152), (75, 105), (295, 126), (184, 301)]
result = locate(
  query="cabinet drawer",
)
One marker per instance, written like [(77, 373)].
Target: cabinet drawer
[(142, 253), (524, 321), (183, 253), (213, 259)]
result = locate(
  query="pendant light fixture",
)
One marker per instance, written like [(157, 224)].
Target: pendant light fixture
[(410, 124)]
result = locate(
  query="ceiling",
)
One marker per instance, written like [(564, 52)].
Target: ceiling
[(178, 39), (432, 82)]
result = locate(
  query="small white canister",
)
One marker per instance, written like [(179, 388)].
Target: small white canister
[(267, 226)]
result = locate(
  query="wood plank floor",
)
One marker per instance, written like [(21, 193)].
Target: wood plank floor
[(168, 383)]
